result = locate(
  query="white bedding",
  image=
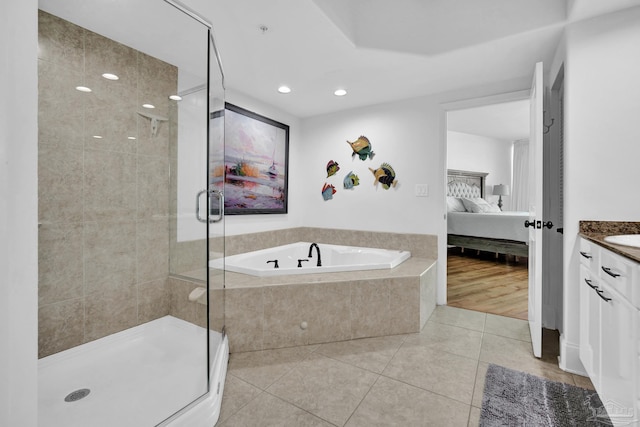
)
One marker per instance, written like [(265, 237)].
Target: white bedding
[(502, 225)]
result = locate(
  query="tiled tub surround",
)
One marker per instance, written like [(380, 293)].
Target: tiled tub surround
[(103, 203), (271, 312)]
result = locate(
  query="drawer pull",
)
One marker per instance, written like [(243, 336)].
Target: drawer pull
[(590, 285), (586, 255), (609, 272), (599, 292)]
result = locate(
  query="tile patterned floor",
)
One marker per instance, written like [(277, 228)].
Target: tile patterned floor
[(434, 378)]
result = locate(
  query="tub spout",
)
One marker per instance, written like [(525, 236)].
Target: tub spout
[(319, 264)]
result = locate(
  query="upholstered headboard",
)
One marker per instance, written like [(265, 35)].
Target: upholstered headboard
[(465, 183)]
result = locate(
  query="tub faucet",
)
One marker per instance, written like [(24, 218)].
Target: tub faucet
[(317, 250)]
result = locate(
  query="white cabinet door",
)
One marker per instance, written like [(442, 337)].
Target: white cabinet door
[(590, 325), (618, 356)]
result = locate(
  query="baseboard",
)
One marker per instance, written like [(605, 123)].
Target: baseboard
[(569, 359)]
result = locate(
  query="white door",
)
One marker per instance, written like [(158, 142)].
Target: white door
[(535, 210)]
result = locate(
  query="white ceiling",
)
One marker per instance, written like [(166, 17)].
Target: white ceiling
[(376, 49), (508, 121)]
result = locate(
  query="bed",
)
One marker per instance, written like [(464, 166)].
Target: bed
[(473, 223)]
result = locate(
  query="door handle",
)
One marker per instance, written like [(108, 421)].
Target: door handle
[(600, 292), (547, 224), (592, 286), (200, 193), (586, 255), (609, 272), (220, 196), (528, 223)]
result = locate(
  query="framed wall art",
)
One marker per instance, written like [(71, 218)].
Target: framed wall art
[(256, 162)]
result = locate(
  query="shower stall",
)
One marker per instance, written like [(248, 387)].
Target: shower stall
[(130, 187)]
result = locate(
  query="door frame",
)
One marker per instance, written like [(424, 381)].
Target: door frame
[(441, 290)]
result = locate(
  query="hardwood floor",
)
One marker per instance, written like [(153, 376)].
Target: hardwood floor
[(483, 283)]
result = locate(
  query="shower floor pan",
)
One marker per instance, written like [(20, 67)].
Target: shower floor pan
[(135, 377)]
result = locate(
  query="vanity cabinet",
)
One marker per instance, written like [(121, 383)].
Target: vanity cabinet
[(610, 328)]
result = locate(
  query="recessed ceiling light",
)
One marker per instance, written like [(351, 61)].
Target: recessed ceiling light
[(110, 76), (340, 92), (97, 136), (131, 137), (148, 106), (284, 89), (83, 89), (175, 97)]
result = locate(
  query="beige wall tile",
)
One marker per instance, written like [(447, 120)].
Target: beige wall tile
[(110, 186), (404, 307), (110, 310), (60, 184), (330, 312), (103, 55), (370, 314), (60, 41), (109, 255), (152, 300), (428, 282), (244, 312), (60, 106), (285, 308), (152, 249), (60, 326), (60, 271), (153, 188)]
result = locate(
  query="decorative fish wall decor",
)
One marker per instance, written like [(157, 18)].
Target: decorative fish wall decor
[(384, 175), (350, 181), (362, 148), (328, 191), (332, 168)]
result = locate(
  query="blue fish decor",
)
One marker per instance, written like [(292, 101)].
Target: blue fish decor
[(350, 181), (328, 191), (384, 175), (362, 148), (332, 168)]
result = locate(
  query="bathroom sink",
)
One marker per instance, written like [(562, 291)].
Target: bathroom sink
[(624, 239)]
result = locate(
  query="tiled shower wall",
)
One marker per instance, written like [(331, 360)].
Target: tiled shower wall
[(103, 203)]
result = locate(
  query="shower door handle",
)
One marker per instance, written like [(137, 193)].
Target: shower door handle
[(212, 193), (220, 196)]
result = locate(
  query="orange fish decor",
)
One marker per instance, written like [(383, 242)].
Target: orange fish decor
[(384, 175), (362, 148), (328, 191)]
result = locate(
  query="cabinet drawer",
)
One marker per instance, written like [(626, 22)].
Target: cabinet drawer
[(617, 272), (588, 253)]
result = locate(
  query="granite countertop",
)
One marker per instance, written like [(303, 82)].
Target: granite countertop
[(596, 231)]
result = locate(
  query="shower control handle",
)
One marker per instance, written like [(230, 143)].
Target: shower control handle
[(275, 263)]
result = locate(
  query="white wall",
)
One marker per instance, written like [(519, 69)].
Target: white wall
[(18, 213), (601, 140), (241, 224), (481, 154), (403, 134)]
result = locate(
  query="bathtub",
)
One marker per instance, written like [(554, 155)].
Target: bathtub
[(134, 376), (293, 259)]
